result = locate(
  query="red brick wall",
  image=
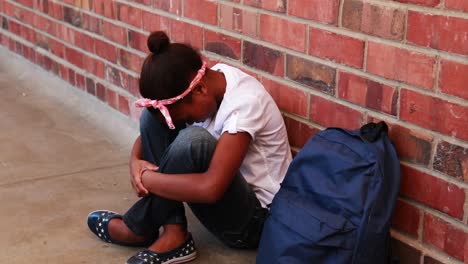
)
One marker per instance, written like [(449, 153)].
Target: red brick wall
[(326, 63)]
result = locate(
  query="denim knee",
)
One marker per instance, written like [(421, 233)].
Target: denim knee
[(194, 134), (193, 145)]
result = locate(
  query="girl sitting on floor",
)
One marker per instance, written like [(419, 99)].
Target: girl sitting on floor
[(212, 138)]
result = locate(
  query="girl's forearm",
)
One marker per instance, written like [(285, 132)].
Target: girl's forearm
[(136, 152), (192, 187)]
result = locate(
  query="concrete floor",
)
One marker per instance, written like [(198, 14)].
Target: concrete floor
[(63, 154)]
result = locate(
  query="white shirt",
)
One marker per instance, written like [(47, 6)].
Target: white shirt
[(247, 107)]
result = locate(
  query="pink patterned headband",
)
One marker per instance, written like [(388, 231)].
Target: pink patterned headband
[(161, 104)]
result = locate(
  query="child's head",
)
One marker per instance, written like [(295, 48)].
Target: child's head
[(167, 73)]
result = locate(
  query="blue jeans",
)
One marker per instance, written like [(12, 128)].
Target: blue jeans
[(236, 219)]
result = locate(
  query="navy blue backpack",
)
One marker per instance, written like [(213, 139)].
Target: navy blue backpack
[(336, 201)]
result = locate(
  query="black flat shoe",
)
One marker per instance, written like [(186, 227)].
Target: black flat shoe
[(98, 222), (184, 253)]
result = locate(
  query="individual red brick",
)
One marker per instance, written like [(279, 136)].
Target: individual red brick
[(56, 10), (438, 32), (72, 16), (460, 5), (28, 34), (202, 10), (368, 93), (106, 50), (133, 85), (29, 53), (47, 65), (431, 3), (57, 48), (405, 254), (114, 33), (129, 14), (138, 41), (276, 5), (101, 92), (445, 236), (4, 40), (8, 8), (28, 17), (239, 20), (287, 98), (90, 86), (263, 58), (401, 65), (173, 6), (339, 48), (84, 41), (187, 33), (116, 77), (41, 40), (222, 44), (14, 27), (64, 72), (454, 78), (312, 74), (45, 25), (87, 4), (39, 59), (330, 114), (80, 81), (299, 133), (406, 218), (73, 56), (112, 98), (130, 60), (414, 146), (452, 160), (105, 8), (382, 21), (65, 33), (89, 63), (99, 69), (318, 10), (124, 105), (91, 23), (71, 77), (153, 22), (41, 5), (437, 193), (274, 29), (434, 113)]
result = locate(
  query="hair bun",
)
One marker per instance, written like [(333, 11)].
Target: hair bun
[(158, 41)]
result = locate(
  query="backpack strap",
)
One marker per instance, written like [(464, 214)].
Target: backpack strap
[(371, 131)]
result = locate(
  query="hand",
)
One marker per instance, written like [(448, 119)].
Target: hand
[(137, 167)]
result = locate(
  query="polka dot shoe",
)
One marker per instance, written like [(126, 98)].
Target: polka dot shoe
[(98, 222), (184, 253)]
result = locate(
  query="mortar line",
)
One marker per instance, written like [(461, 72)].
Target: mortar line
[(425, 249), (445, 217)]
